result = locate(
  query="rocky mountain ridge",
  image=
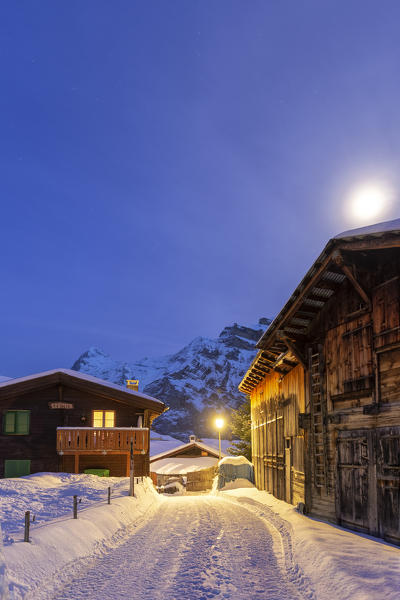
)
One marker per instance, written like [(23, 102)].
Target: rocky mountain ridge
[(195, 383)]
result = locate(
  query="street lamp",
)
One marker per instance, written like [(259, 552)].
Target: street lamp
[(219, 423)]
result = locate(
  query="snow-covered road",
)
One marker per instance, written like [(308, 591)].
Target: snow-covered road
[(193, 547)]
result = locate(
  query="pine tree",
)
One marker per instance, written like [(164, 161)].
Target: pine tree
[(241, 430)]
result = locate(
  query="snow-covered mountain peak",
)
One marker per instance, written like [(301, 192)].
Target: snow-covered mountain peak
[(194, 382)]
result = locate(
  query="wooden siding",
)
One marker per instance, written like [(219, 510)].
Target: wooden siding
[(277, 440), (346, 460)]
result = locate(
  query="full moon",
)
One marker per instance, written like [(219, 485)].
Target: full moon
[(369, 202)]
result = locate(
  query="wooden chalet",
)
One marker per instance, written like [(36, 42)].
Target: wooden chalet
[(325, 387), (68, 421)]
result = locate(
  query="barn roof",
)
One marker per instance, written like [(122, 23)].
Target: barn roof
[(21, 385), (280, 345)]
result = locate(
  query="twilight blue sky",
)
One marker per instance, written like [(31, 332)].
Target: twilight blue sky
[(169, 167)]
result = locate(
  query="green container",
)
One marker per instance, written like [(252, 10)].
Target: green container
[(99, 472)]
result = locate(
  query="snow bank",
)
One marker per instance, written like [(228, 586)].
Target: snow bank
[(234, 460), (49, 496), (341, 564), (56, 543), (3, 572), (237, 483)]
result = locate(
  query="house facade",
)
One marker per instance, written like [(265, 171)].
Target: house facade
[(325, 387), (64, 420)]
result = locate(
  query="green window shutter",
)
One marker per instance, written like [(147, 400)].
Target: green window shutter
[(9, 422), (22, 418), (17, 468)]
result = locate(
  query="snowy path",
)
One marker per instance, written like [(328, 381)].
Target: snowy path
[(194, 547)]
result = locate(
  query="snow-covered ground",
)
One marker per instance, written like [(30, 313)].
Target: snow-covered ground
[(238, 544), (341, 564), (50, 496), (57, 539), (194, 547)]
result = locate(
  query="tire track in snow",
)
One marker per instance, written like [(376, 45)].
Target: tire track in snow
[(198, 547), (295, 572)]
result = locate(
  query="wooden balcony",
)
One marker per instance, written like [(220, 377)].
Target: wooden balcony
[(102, 440)]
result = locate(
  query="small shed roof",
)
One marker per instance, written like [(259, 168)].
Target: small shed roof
[(179, 465), (76, 379), (183, 448)]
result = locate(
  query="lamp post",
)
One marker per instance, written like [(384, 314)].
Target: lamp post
[(219, 423)]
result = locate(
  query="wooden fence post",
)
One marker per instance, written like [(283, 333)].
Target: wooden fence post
[(27, 524), (131, 472), (109, 496), (75, 507)]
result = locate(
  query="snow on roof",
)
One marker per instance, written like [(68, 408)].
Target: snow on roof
[(376, 228), (178, 449), (176, 465), (82, 376), (4, 378), (234, 460)]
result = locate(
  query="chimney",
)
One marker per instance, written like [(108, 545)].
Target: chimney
[(192, 438), (133, 384)]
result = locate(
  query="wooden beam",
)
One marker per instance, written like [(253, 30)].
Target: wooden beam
[(374, 244), (128, 465), (289, 363), (300, 299), (260, 371), (298, 354), (349, 274), (76, 463), (254, 378), (281, 371)]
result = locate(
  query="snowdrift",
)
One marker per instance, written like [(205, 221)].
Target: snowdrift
[(57, 542)]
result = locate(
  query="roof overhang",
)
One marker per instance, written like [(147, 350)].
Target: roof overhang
[(80, 381), (183, 448), (289, 331)]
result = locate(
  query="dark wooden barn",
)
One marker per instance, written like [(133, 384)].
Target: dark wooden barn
[(325, 387), (67, 421)]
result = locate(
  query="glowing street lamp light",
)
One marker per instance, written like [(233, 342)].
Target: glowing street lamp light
[(219, 423)]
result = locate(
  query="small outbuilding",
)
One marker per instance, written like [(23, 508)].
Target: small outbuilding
[(183, 459)]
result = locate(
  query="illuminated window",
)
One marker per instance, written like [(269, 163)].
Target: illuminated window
[(103, 418)]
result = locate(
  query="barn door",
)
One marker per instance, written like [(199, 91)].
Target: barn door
[(353, 462), (388, 479)]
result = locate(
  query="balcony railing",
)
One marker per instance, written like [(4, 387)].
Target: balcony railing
[(93, 440)]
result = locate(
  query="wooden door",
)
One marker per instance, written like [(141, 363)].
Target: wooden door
[(353, 465), (388, 480)]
